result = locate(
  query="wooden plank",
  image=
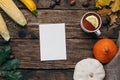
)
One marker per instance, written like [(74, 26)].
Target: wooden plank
[(51, 74), (69, 17), (35, 74), (65, 4), (48, 74), (29, 53)]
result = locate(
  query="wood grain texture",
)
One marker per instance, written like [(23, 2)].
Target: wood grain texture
[(66, 74), (79, 44), (71, 18), (48, 74), (29, 53), (65, 4)]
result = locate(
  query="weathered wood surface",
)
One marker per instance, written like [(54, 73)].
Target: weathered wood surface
[(65, 4), (48, 74), (28, 51), (70, 17), (79, 43)]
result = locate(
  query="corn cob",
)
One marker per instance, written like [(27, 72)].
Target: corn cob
[(3, 29), (30, 5), (11, 9)]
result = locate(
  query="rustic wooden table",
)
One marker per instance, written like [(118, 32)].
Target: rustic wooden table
[(79, 43)]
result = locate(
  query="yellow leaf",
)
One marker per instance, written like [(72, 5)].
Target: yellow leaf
[(115, 6), (100, 3)]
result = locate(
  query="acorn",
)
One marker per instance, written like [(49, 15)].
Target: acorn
[(57, 2), (105, 20), (85, 3), (72, 2), (52, 4), (22, 33)]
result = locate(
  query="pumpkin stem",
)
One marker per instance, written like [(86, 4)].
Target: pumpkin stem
[(106, 50), (91, 75)]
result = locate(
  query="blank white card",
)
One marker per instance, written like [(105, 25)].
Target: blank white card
[(52, 42)]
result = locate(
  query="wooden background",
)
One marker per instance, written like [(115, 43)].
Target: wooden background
[(79, 44)]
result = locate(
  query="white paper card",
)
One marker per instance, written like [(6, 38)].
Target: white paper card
[(52, 42)]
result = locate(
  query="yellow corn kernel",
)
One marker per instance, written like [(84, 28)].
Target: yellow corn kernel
[(3, 29), (12, 10)]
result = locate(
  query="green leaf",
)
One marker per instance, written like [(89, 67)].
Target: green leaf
[(12, 75), (10, 65), (5, 54)]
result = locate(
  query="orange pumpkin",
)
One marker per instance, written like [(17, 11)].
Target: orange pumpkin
[(104, 50)]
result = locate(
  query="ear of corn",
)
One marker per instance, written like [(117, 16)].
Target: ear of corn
[(3, 29), (11, 9), (30, 5)]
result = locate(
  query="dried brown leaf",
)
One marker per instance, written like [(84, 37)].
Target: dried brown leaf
[(104, 11), (113, 18), (113, 26)]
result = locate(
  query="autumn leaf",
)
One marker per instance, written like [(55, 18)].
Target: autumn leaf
[(113, 18), (115, 6), (101, 3), (104, 11), (113, 26)]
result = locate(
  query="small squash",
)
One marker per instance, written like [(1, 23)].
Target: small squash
[(30, 4), (89, 69), (104, 50)]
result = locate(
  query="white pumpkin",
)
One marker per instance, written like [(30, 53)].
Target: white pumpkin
[(89, 69)]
